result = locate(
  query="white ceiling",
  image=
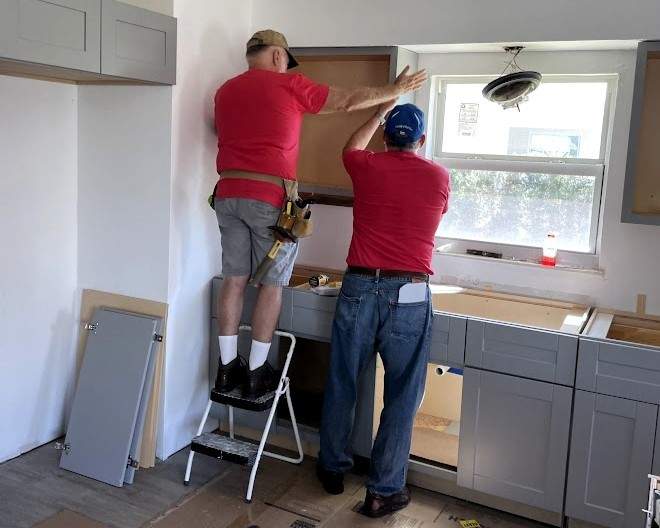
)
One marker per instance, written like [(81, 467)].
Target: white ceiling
[(591, 45)]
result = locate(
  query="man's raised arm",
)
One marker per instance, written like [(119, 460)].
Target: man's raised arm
[(350, 99)]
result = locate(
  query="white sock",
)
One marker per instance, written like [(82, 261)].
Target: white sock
[(228, 348), (258, 354)]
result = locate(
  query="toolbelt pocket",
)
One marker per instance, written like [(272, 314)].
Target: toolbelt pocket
[(294, 222)]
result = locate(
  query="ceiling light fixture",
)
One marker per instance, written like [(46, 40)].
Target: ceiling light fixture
[(511, 89)]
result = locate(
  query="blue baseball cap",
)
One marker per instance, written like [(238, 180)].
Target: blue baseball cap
[(405, 124)]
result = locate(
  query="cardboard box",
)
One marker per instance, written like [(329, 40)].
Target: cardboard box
[(69, 519)]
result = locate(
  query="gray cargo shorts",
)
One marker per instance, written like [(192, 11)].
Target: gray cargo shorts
[(246, 239)]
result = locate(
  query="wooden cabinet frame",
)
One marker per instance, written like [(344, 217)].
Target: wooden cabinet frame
[(342, 194), (642, 143)]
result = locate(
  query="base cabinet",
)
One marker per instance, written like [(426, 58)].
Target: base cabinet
[(514, 438), (611, 457)]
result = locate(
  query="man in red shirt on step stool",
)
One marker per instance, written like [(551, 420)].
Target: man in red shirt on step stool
[(384, 303), (258, 116)]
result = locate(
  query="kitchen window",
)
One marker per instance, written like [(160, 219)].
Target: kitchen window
[(518, 176)]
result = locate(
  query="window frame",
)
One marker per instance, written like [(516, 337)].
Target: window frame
[(594, 167)]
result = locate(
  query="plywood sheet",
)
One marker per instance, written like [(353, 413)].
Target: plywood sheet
[(643, 336), (92, 299), (621, 326), (323, 136), (532, 312), (438, 446), (646, 184)]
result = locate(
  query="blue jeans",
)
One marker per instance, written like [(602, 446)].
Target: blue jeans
[(369, 318)]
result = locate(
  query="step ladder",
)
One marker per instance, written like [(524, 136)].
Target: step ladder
[(652, 512), (238, 451)]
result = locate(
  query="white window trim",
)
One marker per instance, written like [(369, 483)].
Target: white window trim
[(581, 166)]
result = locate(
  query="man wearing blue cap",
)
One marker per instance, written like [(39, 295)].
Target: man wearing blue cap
[(385, 302)]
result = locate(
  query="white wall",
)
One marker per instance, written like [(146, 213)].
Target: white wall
[(212, 35), (628, 253), (38, 300), (125, 173), (387, 22), (124, 189)]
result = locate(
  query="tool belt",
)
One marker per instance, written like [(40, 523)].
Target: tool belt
[(294, 221)]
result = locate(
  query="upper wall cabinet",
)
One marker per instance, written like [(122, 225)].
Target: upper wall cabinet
[(641, 197), (320, 168), (138, 44), (62, 33), (99, 41)]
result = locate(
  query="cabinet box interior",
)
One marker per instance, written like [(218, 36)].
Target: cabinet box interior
[(320, 167), (646, 177), (639, 330)]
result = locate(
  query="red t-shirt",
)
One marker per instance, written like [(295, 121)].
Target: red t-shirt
[(400, 198), (258, 116)]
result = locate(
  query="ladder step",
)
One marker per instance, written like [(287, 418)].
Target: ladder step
[(236, 399), (224, 448)]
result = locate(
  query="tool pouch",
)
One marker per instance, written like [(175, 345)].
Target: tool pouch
[(295, 219), (211, 199)]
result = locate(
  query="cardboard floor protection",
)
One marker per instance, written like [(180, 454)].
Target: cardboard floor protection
[(69, 519), (294, 500), (457, 510), (289, 496), (305, 497)]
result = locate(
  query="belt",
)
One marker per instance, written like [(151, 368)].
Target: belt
[(290, 186), (387, 273), (253, 176)]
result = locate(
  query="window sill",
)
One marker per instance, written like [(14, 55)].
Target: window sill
[(522, 262)]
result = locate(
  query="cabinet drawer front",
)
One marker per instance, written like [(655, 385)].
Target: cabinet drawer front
[(611, 456), (312, 315), (527, 352), (138, 44), (448, 340), (615, 369), (63, 33), (514, 438)]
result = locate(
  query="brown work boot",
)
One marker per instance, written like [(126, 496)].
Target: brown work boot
[(230, 375), (377, 505)]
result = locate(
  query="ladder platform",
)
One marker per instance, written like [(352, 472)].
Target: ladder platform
[(225, 448), (236, 399)]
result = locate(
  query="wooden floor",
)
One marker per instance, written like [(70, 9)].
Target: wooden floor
[(34, 490)]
